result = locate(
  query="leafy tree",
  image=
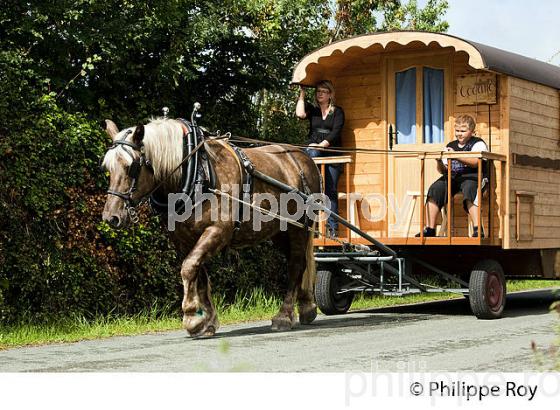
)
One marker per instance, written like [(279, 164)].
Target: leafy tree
[(353, 17), (66, 64), (410, 17)]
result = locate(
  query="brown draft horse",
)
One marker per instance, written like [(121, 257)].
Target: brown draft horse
[(160, 144)]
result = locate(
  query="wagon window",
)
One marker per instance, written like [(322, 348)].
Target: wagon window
[(419, 102), (433, 105), (406, 106)]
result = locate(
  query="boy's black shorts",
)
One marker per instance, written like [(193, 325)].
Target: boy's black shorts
[(467, 184)]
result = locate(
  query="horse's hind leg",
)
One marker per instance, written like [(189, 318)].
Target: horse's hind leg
[(307, 308), (296, 253), (199, 314)]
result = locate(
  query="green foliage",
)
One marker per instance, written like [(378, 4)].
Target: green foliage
[(353, 17), (66, 64), (410, 17)]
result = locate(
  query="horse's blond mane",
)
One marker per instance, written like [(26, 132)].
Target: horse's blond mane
[(163, 145), (163, 142)]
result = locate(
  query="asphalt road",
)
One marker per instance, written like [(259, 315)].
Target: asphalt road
[(440, 336)]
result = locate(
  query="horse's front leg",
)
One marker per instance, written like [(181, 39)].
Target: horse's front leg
[(199, 315)]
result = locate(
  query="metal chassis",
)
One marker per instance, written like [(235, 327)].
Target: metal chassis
[(361, 262), (368, 272)]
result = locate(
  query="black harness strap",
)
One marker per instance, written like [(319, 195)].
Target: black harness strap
[(247, 184), (304, 184), (196, 170), (306, 189)]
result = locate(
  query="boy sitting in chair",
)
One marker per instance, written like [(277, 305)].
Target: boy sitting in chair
[(464, 177)]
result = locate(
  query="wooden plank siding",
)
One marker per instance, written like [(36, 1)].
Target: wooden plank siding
[(535, 131), (360, 90), (490, 127), (525, 120)]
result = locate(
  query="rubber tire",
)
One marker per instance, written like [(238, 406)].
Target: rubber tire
[(487, 290), (326, 298)]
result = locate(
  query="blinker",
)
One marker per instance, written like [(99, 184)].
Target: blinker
[(134, 169)]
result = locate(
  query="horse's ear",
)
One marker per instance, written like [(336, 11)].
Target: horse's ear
[(110, 128), (138, 135)]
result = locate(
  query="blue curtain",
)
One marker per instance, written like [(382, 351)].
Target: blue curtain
[(433, 105), (406, 106)]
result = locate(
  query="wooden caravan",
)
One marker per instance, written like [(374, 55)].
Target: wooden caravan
[(401, 92)]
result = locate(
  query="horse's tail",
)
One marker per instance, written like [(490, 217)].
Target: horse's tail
[(308, 280)]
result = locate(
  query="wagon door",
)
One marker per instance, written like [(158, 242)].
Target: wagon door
[(418, 107)]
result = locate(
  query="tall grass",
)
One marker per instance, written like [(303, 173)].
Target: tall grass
[(27, 332), (256, 305)]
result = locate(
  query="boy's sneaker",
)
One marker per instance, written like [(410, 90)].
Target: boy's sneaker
[(428, 232), (475, 233)]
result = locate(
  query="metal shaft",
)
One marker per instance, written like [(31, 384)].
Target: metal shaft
[(288, 188)]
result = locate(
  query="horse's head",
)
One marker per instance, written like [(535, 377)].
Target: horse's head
[(131, 175)]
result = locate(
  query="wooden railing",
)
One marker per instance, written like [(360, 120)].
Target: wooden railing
[(481, 156), (322, 162), (496, 177)]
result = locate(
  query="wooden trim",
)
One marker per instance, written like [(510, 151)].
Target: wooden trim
[(302, 76), (449, 95), (533, 161), (465, 154), (526, 193), (435, 241), (479, 195), (343, 159), (323, 225), (402, 62), (490, 191), (505, 91), (422, 201), (385, 119), (528, 198), (449, 205), (347, 171)]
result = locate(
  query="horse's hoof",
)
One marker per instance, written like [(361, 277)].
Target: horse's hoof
[(205, 333), (194, 325), (202, 332), (209, 332), (281, 324), (307, 316)]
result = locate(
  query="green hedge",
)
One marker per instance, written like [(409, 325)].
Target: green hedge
[(57, 258)]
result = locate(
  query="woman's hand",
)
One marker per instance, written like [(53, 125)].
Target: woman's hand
[(300, 104)]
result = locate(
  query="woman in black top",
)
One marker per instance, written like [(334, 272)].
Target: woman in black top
[(325, 130)]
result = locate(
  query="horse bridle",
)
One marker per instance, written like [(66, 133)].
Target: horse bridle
[(133, 173)]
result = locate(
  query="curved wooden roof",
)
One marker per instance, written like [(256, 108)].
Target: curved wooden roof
[(316, 65)]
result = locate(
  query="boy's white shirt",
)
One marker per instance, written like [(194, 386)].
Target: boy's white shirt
[(479, 146)]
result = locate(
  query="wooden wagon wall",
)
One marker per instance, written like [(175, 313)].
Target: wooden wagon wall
[(534, 190), (492, 127), (361, 91)]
